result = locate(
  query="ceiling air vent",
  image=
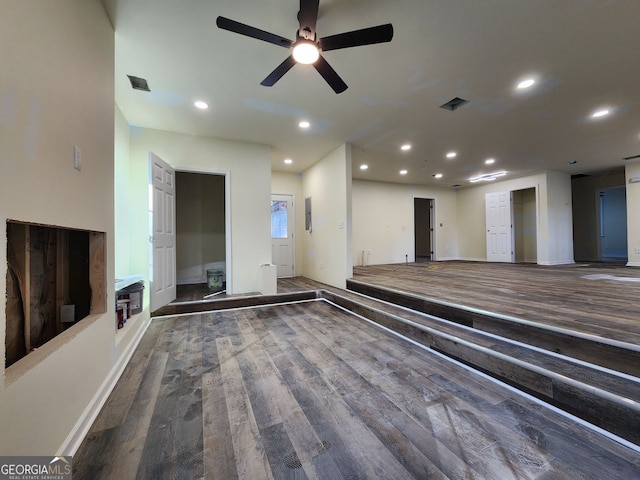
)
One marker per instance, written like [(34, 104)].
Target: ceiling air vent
[(454, 104), (138, 83), (632, 157)]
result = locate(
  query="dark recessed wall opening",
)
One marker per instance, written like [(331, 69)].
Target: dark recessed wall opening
[(55, 278)]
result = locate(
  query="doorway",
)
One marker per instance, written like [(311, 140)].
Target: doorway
[(612, 224), (201, 240), (423, 228), (525, 225)]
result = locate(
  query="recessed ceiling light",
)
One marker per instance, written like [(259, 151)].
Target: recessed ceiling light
[(403, 172), (405, 147), (573, 162), (438, 175), (201, 105), (451, 155), (364, 167), (304, 124), (600, 113), (527, 83), (288, 161), (490, 161)]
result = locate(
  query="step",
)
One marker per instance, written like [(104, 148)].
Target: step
[(600, 396), (612, 354)]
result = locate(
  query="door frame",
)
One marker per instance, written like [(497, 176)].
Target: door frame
[(227, 218), (432, 224), (291, 220)]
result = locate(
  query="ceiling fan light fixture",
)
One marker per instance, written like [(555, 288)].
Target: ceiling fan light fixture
[(305, 52)]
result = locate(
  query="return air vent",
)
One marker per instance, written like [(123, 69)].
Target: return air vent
[(454, 104), (633, 157), (138, 83)]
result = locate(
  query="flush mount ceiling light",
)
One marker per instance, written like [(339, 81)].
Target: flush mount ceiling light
[(304, 124), (288, 161), (527, 83), (403, 172), (600, 113), (451, 155), (490, 161), (437, 175), (201, 105), (364, 167), (405, 147), (488, 177)]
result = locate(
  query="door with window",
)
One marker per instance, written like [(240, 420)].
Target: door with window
[(282, 234)]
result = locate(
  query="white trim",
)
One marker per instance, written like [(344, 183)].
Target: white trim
[(633, 264), (560, 262), (81, 428)]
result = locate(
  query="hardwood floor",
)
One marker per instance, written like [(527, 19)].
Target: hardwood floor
[(308, 390), (599, 299)]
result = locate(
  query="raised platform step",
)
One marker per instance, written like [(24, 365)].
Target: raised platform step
[(613, 354), (604, 397)]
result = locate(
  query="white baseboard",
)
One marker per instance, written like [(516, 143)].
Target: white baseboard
[(633, 264), (565, 262), (81, 428)]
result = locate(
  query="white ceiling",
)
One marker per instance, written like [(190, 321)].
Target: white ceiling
[(584, 54)]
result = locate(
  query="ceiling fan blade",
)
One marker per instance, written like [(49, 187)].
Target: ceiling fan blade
[(242, 29), (308, 16), (366, 36), (330, 75), (280, 70)]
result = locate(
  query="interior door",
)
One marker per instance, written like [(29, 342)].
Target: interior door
[(499, 227), (282, 234), (162, 238)]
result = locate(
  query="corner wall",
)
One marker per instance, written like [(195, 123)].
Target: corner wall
[(56, 91), (327, 246)]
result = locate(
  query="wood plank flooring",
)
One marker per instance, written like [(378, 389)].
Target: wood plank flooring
[(309, 391), (599, 299)]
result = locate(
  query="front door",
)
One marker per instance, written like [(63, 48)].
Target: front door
[(282, 234), (499, 234), (162, 238)]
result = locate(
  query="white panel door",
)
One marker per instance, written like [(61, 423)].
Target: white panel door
[(162, 235), (499, 227), (282, 234)]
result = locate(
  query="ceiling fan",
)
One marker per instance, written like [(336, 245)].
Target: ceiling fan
[(307, 47)]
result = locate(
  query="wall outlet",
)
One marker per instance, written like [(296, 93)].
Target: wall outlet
[(77, 158)]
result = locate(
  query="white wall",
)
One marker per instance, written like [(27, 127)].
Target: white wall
[(291, 184), (327, 247), (632, 170), (56, 91), (248, 167), (121, 191), (383, 222), (558, 214)]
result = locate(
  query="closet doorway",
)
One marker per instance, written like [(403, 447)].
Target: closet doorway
[(201, 235)]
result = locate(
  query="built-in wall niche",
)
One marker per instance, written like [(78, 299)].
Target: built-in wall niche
[(55, 279)]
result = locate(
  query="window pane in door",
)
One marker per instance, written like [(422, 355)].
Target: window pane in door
[(278, 219)]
